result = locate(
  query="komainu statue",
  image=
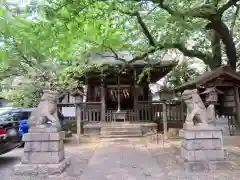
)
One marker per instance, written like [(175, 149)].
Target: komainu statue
[(46, 110), (197, 113)]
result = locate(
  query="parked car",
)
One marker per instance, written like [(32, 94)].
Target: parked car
[(9, 138), (10, 120)]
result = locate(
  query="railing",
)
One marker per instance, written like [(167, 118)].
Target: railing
[(175, 112), (149, 110), (146, 111)]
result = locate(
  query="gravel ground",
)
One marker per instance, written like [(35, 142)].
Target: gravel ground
[(123, 160), (79, 156), (165, 157)]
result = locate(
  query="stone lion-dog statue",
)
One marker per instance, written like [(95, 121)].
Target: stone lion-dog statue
[(197, 113), (46, 110)]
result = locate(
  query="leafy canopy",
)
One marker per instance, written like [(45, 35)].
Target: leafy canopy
[(55, 44)]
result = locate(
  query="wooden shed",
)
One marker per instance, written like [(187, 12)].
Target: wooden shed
[(224, 79)]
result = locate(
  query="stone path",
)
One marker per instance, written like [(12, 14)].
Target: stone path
[(122, 159)]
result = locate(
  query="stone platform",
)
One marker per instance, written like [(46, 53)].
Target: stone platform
[(119, 129), (43, 152), (202, 149)]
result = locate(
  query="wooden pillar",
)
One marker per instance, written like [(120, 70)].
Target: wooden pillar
[(237, 103), (165, 119), (78, 117), (118, 95), (103, 103), (135, 96), (182, 111)]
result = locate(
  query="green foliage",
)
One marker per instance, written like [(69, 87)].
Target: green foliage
[(181, 74), (51, 52), (27, 95)]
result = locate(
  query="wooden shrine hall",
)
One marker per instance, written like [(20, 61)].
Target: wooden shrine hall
[(119, 96)]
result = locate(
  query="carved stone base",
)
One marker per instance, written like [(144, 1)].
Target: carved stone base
[(43, 152), (204, 166), (35, 169), (202, 148)]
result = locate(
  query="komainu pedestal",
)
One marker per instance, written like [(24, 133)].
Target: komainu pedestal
[(202, 149), (43, 152)]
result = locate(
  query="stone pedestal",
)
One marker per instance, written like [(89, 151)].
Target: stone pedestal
[(43, 152), (202, 149), (222, 123)]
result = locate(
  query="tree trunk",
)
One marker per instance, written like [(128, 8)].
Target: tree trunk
[(222, 30), (216, 51)]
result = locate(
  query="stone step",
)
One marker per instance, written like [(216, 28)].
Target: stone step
[(120, 129), (121, 136), (123, 125), (120, 133)]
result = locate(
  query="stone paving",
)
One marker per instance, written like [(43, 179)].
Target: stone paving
[(120, 160), (123, 159)]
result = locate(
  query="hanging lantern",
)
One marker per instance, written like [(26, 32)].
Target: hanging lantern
[(211, 95)]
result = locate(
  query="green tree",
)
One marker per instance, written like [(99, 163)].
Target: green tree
[(182, 73), (27, 52), (67, 31), (152, 25)]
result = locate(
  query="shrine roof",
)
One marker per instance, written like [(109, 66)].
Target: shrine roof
[(208, 76), (110, 58)]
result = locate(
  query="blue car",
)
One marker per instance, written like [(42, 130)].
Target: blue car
[(23, 124)]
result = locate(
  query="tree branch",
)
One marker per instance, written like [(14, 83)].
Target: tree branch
[(115, 55), (143, 25), (203, 11), (226, 6), (145, 30), (144, 55), (167, 8), (234, 20), (186, 52), (193, 53)]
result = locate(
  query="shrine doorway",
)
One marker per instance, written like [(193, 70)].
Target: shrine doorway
[(126, 97)]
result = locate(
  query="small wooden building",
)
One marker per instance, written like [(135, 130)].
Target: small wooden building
[(118, 96), (226, 82)]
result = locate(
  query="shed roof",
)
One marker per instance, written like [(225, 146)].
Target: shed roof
[(207, 76), (212, 89)]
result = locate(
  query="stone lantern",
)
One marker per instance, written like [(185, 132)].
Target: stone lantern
[(211, 95), (78, 99), (165, 94)]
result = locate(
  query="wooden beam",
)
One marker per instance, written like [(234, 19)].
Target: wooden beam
[(103, 103), (78, 117), (165, 120), (237, 103), (135, 96)]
